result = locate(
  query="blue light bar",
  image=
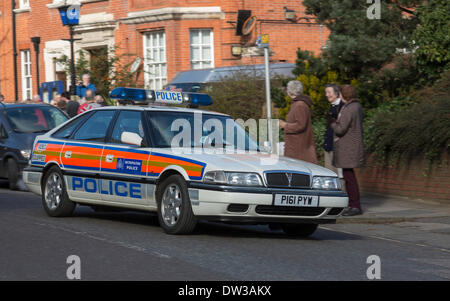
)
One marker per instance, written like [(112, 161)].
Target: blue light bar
[(143, 96)]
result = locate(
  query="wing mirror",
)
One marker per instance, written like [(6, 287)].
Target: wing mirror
[(131, 138)]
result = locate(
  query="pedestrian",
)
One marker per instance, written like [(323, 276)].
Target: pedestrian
[(348, 145), (332, 94), (85, 85), (62, 104), (90, 103), (298, 132), (99, 99), (36, 98), (72, 105)]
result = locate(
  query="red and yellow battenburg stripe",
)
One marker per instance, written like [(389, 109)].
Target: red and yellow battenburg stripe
[(97, 157)]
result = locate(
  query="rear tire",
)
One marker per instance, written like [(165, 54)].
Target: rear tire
[(13, 174), (55, 200), (299, 230), (174, 206)]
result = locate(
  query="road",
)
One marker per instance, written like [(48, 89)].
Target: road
[(131, 246)]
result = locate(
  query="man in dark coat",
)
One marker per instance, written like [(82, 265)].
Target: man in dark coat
[(348, 145), (72, 105), (298, 132)]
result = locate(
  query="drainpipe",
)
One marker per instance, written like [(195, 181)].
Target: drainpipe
[(16, 86), (36, 41)]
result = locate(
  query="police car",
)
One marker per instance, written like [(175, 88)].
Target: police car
[(152, 158)]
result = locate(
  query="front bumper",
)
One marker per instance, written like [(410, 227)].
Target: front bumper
[(212, 202)]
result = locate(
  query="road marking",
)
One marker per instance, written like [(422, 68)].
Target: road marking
[(103, 239), (389, 239), (106, 240)]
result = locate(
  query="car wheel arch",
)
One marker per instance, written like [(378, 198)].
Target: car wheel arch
[(47, 167), (165, 174)]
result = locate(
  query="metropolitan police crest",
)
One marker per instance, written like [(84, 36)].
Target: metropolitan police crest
[(120, 163)]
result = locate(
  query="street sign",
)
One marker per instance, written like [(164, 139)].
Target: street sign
[(263, 41)]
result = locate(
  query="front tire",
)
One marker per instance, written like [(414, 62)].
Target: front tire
[(299, 230), (174, 206), (55, 200)]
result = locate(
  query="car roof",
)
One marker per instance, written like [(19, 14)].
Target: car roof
[(217, 74), (159, 108), (7, 105)]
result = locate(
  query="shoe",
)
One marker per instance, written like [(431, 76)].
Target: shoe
[(345, 210), (352, 212)]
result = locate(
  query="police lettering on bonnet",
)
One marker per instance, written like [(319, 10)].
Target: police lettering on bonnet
[(122, 157)]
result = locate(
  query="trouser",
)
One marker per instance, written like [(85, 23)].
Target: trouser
[(328, 160), (351, 185)]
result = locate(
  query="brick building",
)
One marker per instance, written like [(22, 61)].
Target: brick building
[(169, 35)]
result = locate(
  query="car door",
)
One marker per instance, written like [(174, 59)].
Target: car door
[(124, 166), (81, 156)]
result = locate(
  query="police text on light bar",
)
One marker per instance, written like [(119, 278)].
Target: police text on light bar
[(144, 96)]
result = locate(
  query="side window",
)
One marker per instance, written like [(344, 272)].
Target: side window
[(128, 121), (94, 129), (67, 130)]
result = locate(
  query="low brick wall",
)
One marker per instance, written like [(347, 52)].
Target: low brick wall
[(415, 178)]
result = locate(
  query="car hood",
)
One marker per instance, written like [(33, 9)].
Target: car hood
[(25, 141), (248, 162)]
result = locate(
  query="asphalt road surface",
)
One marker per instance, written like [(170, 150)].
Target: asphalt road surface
[(131, 246)]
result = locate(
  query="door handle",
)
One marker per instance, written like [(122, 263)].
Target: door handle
[(109, 158), (68, 154)]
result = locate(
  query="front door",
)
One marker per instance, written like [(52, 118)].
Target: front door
[(124, 166)]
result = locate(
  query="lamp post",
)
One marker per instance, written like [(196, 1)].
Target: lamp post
[(70, 16)]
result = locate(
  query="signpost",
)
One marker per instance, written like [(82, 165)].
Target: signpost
[(263, 42)]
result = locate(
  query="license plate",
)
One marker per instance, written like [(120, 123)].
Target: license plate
[(296, 200)]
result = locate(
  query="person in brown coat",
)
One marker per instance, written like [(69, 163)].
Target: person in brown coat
[(298, 132), (348, 145)]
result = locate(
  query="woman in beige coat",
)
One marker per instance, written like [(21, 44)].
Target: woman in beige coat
[(348, 145), (298, 132)]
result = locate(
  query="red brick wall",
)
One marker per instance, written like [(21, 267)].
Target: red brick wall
[(285, 37), (416, 179)]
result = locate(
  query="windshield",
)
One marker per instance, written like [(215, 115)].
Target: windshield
[(34, 119), (182, 129)]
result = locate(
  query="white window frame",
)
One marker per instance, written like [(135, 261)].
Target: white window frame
[(202, 60), (24, 4), (25, 61), (153, 81)]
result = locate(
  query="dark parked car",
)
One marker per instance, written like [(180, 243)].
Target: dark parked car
[(19, 125)]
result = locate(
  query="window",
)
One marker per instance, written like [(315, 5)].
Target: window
[(27, 88), (160, 124), (155, 66), (24, 4), (34, 119), (202, 48), (67, 130), (128, 121), (94, 129)]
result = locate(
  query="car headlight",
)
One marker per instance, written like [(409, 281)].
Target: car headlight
[(328, 183), (233, 178), (26, 153)]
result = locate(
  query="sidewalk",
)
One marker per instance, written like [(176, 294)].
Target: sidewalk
[(394, 209)]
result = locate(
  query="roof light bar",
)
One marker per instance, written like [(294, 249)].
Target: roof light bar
[(137, 96)]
